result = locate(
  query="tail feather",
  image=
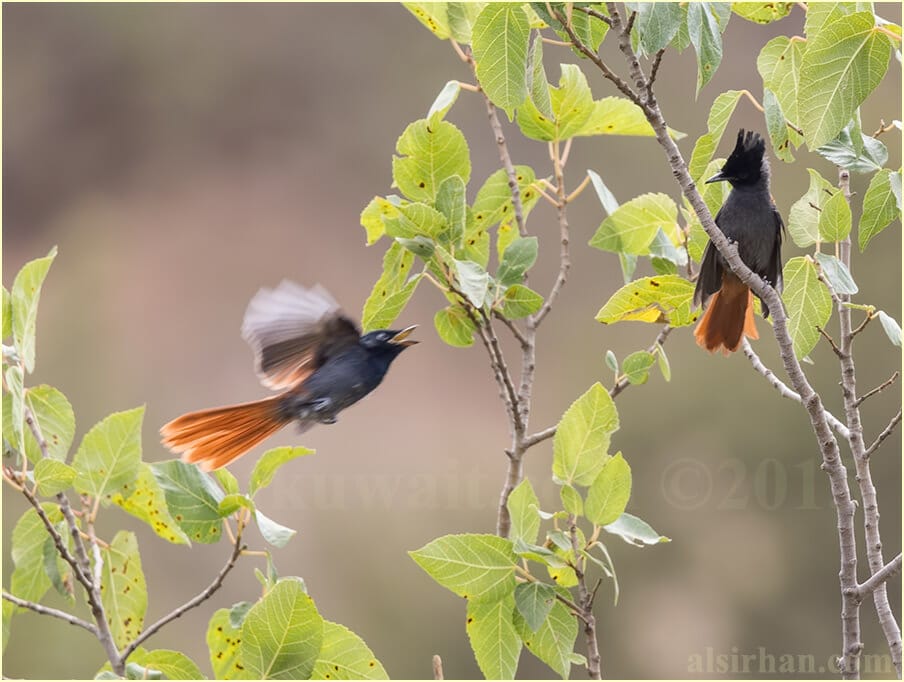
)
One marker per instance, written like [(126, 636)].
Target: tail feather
[(728, 317), (213, 438)]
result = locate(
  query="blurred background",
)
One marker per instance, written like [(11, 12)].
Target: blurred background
[(183, 155)]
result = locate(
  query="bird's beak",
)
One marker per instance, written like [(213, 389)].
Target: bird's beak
[(401, 339), (718, 177)]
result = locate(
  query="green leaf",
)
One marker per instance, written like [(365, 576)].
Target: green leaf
[(443, 102), (843, 63), (777, 126), (238, 612), (520, 301), (636, 366), (270, 462), (619, 116), (582, 437), (24, 298), (493, 637), (15, 399), (762, 12), (837, 273), (273, 532), (373, 217), (534, 601), (29, 580), (518, 258), (611, 361), (56, 421), (493, 202), (144, 499), (282, 634), (155, 665), (553, 642), (779, 66), (603, 193), (572, 106), (808, 303), (123, 591), (635, 531), (192, 497), (454, 326), (539, 84), (470, 565), (345, 656), (656, 24), (719, 114), (500, 40), (803, 218), (663, 248), (667, 298), (450, 201), (462, 16), (392, 291), (7, 315), (53, 477), (891, 327), (416, 220), (227, 481), (232, 502), (608, 495), (835, 218), (571, 500), (522, 506), (633, 226), (473, 281), (224, 644), (427, 156), (109, 455), (663, 360), (879, 206), (433, 15), (706, 37), (855, 151)]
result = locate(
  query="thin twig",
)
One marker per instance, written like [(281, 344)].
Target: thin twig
[(783, 388), (886, 432), (507, 164), (827, 337), (198, 599), (437, 667), (880, 577), (512, 327), (585, 602), (564, 251), (881, 387), (539, 437), (47, 611), (623, 383)]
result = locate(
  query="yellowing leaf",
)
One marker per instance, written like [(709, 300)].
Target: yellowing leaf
[(666, 298)]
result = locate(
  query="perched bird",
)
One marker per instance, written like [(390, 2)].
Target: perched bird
[(749, 218), (307, 349)]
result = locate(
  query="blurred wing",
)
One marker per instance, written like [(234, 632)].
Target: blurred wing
[(292, 330)]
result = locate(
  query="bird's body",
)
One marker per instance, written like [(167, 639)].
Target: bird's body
[(305, 347), (749, 219)]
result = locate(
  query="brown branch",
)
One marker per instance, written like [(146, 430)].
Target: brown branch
[(437, 667), (881, 387), (507, 164), (886, 432), (47, 611), (197, 600), (585, 604), (827, 337), (520, 337), (538, 437), (880, 577)]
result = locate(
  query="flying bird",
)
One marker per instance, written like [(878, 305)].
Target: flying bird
[(750, 219), (305, 348)]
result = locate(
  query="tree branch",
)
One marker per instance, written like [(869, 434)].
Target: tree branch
[(783, 389), (47, 611), (437, 667), (889, 570), (585, 602), (538, 437), (623, 383), (886, 432), (881, 387), (861, 461), (197, 600)]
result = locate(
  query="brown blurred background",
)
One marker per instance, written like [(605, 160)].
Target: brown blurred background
[(182, 156)]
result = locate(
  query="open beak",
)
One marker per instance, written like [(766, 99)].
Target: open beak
[(401, 339), (718, 177)]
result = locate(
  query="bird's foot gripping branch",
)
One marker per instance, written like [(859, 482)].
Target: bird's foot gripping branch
[(56, 547)]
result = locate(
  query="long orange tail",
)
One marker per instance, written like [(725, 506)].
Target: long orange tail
[(728, 317), (213, 438)]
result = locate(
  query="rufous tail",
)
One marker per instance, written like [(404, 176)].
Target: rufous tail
[(728, 317), (213, 438)]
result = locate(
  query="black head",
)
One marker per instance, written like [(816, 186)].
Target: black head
[(389, 342), (746, 164)]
